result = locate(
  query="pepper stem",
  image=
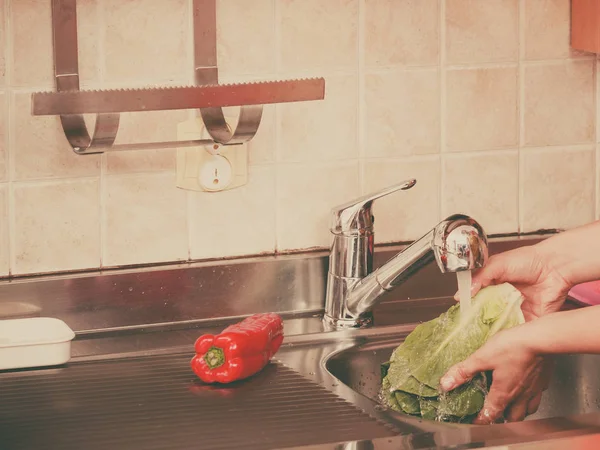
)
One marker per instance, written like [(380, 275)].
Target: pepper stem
[(214, 357)]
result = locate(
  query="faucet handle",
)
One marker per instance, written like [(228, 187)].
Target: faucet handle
[(355, 215)]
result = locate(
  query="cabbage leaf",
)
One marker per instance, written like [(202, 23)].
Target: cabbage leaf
[(411, 378)]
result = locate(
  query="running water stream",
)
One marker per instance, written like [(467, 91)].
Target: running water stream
[(464, 291)]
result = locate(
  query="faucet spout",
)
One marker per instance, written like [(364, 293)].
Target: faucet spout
[(367, 293), (457, 243), (354, 289)]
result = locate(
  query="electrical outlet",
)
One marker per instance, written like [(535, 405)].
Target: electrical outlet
[(209, 168)]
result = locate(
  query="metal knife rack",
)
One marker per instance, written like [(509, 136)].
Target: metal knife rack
[(70, 103)]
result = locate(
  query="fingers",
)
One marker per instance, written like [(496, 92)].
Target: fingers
[(493, 271), (493, 407), (523, 407), (518, 409), (534, 404), (462, 372)]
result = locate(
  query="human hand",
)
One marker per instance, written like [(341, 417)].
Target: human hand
[(519, 376), (530, 270)]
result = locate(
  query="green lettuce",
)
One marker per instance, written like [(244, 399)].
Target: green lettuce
[(411, 378)]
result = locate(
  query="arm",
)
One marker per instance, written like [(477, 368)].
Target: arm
[(574, 331), (575, 254)]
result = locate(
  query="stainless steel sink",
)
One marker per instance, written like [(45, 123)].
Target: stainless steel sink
[(139, 325), (575, 387)]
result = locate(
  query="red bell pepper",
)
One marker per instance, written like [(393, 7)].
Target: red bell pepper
[(239, 351)]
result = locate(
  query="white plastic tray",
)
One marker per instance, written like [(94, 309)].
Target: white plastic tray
[(34, 342)]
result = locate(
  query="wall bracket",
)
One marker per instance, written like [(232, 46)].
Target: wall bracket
[(70, 103)]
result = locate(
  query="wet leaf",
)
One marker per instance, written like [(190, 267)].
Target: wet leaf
[(407, 402), (416, 366)]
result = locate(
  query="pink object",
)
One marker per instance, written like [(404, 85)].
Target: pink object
[(586, 293)]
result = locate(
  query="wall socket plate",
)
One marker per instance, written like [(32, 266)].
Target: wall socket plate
[(210, 168)]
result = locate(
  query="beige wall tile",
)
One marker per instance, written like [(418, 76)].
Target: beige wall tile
[(481, 109), (559, 103), (135, 128), (3, 135), (547, 25), (147, 40), (402, 113), (144, 219), (305, 195), (405, 32), (235, 222), (32, 63), (4, 231), (57, 226), (317, 34), (322, 129), (557, 188), (41, 148), (484, 186), (408, 214), (481, 31), (246, 36)]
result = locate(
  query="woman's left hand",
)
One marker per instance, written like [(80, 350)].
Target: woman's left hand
[(519, 376)]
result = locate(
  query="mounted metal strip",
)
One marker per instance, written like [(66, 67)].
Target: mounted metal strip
[(66, 72), (191, 97), (70, 103), (205, 58)]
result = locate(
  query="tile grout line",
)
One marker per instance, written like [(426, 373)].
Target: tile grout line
[(467, 66), (189, 195), (361, 104), (101, 61), (8, 45), (521, 115), (277, 118), (190, 41), (9, 107), (10, 201), (443, 81), (101, 56)]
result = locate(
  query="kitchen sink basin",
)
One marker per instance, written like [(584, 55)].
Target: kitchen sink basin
[(574, 389)]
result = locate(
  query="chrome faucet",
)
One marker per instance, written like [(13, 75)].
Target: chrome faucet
[(353, 289)]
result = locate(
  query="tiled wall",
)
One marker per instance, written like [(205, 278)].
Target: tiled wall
[(481, 100)]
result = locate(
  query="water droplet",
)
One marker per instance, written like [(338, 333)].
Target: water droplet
[(130, 289)]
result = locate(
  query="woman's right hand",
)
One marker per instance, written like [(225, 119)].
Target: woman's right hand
[(529, 269)]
